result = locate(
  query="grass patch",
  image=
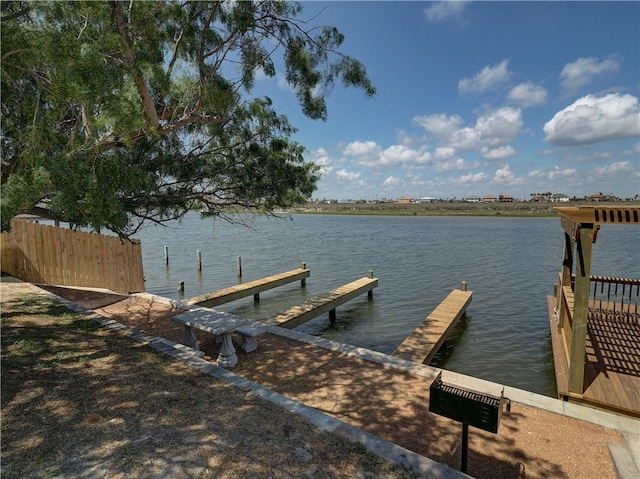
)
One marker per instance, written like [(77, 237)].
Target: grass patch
[(79, 401)]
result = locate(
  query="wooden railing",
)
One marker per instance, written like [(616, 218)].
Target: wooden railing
[(614, 298), (47, 254)]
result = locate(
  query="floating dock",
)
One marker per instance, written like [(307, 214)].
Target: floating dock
[(249, 288), (422, 345), (324, 303)]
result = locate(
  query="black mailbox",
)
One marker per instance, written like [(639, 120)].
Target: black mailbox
[(468, 407)]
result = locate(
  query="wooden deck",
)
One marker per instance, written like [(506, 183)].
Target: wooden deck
[(612, 364), (254, 288), (422, 345), (324, 303)]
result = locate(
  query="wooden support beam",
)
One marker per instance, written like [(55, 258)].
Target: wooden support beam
[(580, 308)]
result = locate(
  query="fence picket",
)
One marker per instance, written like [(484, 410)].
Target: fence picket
[(52, 255)]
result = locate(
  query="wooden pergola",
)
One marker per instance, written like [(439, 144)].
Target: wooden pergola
[(582, 304)]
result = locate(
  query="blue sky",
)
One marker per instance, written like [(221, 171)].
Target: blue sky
[(478, 98)]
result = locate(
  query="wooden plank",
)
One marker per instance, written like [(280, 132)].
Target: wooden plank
[(324, 303), (5, 259), (134, 263), (421, 345), (559, 356), (48, 271), (243, 290)]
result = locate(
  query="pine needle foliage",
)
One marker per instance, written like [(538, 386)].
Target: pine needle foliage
[(116, 114)]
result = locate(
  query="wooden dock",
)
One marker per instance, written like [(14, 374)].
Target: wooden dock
[(324, 303), (595, 319), (422, 345), (249, 288), (611, 368)]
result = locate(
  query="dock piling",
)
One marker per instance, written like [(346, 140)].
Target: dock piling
[(463, 286), (239, 266), (303, 281), (166, 255), (370, 292), (199, 256)]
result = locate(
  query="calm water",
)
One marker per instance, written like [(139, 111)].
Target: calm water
[(510, 264)]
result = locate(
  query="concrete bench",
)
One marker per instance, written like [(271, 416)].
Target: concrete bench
[(222, 326)]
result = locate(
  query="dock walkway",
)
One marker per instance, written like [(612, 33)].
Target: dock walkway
[(328, 302), (422, 345), (249, 288)]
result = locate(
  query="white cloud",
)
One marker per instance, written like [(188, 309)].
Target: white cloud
[(403, 155), (468, 179), (553, 174), (465, 139), (528, 94), (493, 130), (445, 153), (500, 126), (361, 149), (486, 79), (618, 168), (347, 175), (500, 153), (592, 119), (370, 154), (504, 175), (391, 182), (582, 72), (441, 125), (457, 164), (439, 11)]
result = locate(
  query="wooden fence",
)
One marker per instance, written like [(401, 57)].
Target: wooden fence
[(47, 254)]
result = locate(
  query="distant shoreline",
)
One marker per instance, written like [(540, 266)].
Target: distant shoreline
[(515, 209)]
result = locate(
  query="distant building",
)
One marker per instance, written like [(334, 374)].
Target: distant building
[(472, 199), (505, 199), (559, 198), (405, 200), (597, 197), (425, 199), (489, 199)]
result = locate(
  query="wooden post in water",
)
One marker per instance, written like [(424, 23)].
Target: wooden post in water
[(166, 255), (199, 256), (463, 286), (239, 266), (370, 292), (181, 287), (303, 281)]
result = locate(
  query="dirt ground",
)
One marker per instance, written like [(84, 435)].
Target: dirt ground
[(392, 404), (81, 401), (395, 406)]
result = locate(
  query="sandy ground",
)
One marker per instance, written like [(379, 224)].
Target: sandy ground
[(394, 405)]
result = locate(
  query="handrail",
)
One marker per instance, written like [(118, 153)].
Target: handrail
[(614, 298)]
